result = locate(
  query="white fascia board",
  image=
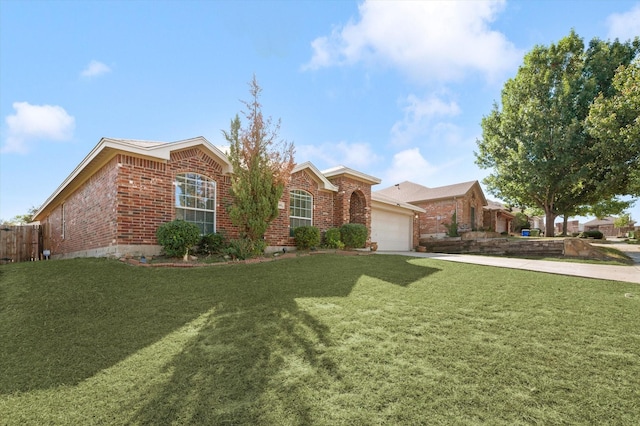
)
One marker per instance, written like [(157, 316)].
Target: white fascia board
[(343, 170), (99, 148)]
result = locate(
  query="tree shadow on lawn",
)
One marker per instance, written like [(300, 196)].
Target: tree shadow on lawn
[(241, 360), (56, 333)]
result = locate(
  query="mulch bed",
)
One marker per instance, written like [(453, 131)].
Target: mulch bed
[(195, 264)]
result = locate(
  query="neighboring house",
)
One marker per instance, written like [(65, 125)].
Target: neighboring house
[(497, 217), (607, 227), (123, 190), (466, 200), (573, 227)]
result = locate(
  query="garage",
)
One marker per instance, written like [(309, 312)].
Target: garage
[(392, 224)]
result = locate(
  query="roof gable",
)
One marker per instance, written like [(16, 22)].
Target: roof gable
[(107, 148), (354, 174), (316, 175)]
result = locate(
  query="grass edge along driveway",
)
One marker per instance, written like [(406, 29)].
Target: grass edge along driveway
[(315, 340)]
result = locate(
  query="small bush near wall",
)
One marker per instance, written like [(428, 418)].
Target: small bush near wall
[(212, 244), (177, 237), (353, 235), (596, 235), (240, 249), (306, 237), (332, 239)]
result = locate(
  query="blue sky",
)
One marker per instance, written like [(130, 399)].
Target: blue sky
[(396, 90)]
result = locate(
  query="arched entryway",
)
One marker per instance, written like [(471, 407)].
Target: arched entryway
[(357, 208)]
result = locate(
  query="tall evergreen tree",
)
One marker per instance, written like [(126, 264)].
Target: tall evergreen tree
[(262, 165)]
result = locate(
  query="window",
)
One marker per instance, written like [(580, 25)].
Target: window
[(473, 218), (63, 224), (196, 201), (300, 209)]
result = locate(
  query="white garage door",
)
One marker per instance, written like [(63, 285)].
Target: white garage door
[(391, 230)]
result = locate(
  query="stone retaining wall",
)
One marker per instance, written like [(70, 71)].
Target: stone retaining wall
[(571, 247)]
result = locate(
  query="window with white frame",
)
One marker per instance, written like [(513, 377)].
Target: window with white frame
[(196, 201), (300, 209)]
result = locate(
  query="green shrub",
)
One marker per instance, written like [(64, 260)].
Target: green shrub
[(177, 237), (212, 244), (520, 222), (306, 237), (332, 239), (452, 228), (239, 249), (596, 235), (353, 235)]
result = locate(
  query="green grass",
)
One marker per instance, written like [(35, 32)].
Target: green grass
[(323, 339)]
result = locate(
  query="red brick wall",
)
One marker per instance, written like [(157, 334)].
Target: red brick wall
[(278, 232), (444, 209), (197, 161), (126, 201), (437, 214), (146, 194), (89, 213), (342, 213), (144, 202)]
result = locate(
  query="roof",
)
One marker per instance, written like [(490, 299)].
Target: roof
[(380, 198), (342, 170), (107, 148), (604, 221), (320, 178), (411, 192)]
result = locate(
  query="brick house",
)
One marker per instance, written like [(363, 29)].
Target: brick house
[(496, 217), (465, 199), (607, 227), (123, 190)]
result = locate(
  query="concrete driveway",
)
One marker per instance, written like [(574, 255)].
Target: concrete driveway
[(631, 250), (605, 272)]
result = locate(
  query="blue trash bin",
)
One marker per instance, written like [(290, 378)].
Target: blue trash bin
[(526, 232)]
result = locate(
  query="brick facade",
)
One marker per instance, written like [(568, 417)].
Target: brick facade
[(278, 233), (352, 202), (119, 207), (85, 221), (468, 210)]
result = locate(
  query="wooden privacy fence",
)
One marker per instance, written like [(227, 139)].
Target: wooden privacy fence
[(21, 243)]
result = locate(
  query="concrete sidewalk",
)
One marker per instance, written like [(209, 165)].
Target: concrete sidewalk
[(605, 272)]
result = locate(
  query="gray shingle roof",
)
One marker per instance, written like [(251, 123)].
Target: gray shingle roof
[(410, 192)]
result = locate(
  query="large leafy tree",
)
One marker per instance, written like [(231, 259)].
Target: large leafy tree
[(614, 121), (262, 165), (536, 143)]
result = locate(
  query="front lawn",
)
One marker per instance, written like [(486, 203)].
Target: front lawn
[(322, 339)]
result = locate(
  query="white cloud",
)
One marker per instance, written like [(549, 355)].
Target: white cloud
[(625, 26), (94, 69), (428, 40), (36, 122), (354, 155), (418, 115), (409, 165)]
